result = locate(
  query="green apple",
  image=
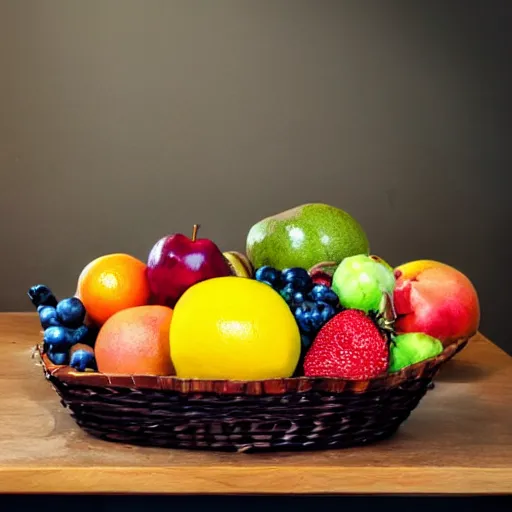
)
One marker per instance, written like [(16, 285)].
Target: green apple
[(411, 348), (304, 236), (360, 282)]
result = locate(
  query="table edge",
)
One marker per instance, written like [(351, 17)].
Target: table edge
[(257, 480)]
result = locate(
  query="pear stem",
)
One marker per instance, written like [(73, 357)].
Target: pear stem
[(194, 232)]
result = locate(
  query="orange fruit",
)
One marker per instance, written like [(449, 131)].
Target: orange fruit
[(112, 283), (135, 341)]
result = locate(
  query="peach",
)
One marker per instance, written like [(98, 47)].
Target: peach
[(436, 299), (136, 341)]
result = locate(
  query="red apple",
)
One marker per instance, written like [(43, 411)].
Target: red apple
[(176, 262), (435, 299)]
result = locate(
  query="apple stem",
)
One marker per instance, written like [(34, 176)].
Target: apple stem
[(194, 232)]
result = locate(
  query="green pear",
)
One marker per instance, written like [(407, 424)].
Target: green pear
[(411, 348), (304, 236)]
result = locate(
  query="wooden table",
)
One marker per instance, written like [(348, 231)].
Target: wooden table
[(458, 440)]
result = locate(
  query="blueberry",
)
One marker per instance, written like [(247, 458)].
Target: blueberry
[(298, 298), (298, 277), (81, 357), (287, 293), (84, 334), (312, 316), (316, 318), (41, 295), (323, 293), (48, 316), (58, 357), (58, 338), (326, 310), (71, 312), (292, 297), (304, 317), (268, 274)]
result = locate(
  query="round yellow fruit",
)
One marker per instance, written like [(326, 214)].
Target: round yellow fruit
[(232, 328)]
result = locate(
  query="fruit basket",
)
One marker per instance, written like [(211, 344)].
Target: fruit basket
[(305, 341), (277, 414)]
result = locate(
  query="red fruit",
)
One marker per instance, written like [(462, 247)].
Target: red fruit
[(321, 273), (322, 279), (176, 263), (436, 299), (349, 346)]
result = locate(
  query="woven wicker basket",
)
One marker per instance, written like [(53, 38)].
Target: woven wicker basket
[(282, 414)]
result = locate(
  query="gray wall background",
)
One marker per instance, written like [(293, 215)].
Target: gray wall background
[(122, 121)]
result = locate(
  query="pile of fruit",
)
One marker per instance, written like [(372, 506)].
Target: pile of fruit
[(306, 299)]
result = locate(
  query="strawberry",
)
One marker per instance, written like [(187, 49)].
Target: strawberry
[(348, 346)]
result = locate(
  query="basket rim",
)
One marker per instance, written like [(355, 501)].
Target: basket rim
[(424, 369)]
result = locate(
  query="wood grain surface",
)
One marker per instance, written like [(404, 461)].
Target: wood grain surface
[(458, 440)]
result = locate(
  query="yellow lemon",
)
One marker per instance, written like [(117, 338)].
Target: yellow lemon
[(232, 328)]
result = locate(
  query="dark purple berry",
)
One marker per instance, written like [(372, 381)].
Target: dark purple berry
[(319, 292), (60, 358), (81, 357), (41, 295), (297, 277), (84, 334), (312, 316), (327, 311), (58, 338), (71, 312), (287, 293), (297, 299), (48, 316), (303, 316), (269, 275)]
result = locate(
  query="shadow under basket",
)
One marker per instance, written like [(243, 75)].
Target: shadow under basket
[(280, 414)]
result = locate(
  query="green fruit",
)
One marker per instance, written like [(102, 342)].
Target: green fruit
[(360, 282), (304, 236), (411, 348)]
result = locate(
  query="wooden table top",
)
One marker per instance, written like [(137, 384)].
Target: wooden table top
[(458, 440)]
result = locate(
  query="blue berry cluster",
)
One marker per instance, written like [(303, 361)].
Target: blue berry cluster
[(312, 305), (67, 340)]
